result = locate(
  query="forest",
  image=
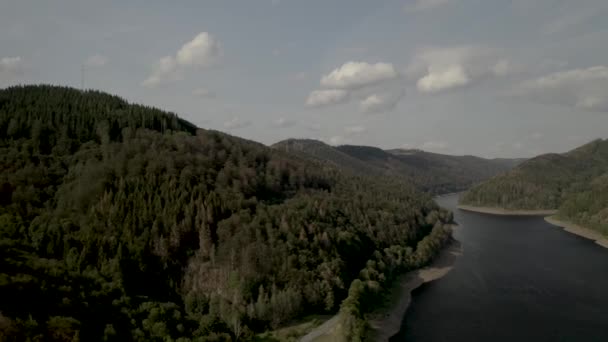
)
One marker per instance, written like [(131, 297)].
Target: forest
[(125, 222), (575, 183), (429, 172)]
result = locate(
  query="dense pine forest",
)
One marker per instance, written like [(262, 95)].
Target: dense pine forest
[(575, 183), (124, 222), (429, 172)]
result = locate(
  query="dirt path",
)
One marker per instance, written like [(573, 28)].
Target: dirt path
[(501, 211), (323, 329)]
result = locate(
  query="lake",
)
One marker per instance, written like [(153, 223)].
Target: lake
[(519, 279)]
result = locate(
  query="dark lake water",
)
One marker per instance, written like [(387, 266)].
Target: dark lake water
[(519, 279)]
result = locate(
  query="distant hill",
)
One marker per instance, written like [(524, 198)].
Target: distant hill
[(430, 172), (125, 222), (573, 182)]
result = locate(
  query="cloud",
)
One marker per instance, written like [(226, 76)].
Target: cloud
[(441, 78), (236, 123), (203, 93), (10, 67), (424, 5), (318, 98), (561, 78), (283, 123), (377, 103), (201, 52), (96, 61), (585, 89), (355, 129), (440, 69), (358, 74), (165, 70), (502, 68)]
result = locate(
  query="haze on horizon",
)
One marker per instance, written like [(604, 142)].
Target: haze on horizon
[(490, 78)]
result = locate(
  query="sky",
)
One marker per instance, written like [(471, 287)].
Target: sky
[(494, 78)]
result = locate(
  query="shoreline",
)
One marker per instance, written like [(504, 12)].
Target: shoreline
[(506, 212), (383, 328), (386, 321), (448, 194), (581, 231)]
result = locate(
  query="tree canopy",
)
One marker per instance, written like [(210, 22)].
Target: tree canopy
[(120, 221), (574, 183)]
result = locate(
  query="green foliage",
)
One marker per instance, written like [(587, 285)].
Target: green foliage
[(589, 207), (365, 291), (573, 182), (123, 221)]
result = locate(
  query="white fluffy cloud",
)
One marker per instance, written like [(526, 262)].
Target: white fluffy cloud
[(439, 69), (165, 70), (441, 78), (377, 103), (96, 61), (424, 5), (10, 67), (283, 122), (236, 123), (326, 97), (586, 89), (201, 52), (358, 74), (356, 80)]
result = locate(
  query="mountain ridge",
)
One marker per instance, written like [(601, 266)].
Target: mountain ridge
[(431, 172)]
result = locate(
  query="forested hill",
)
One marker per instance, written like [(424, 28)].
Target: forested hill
[(124, 222), (430, 172), (573, 182)]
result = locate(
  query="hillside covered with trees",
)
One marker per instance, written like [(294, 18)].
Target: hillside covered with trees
[(430, 172), (575, 183), (124, 222)]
